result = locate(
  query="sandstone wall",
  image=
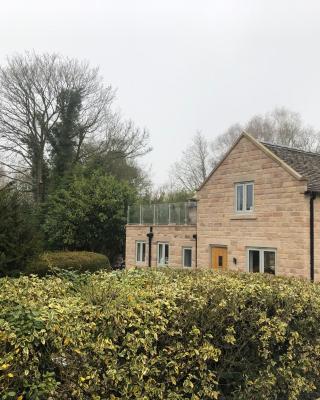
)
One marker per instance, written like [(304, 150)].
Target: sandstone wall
[(177, 236), (280, 218)]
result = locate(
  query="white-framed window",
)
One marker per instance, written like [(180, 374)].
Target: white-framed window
[(244, 196), (262, 260), (140, 251), (163, 254), (187, 257)]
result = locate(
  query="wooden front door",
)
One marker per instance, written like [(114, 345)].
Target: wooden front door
[(219, 258)]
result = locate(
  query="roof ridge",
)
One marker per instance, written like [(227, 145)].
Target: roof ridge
[(290, 148)]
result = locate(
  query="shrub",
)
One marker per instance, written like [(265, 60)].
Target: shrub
[(88, 214), (153, 334), (80, 261), (19, 240)]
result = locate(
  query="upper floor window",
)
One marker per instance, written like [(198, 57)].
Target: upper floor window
[(140, 251), (244, 196)]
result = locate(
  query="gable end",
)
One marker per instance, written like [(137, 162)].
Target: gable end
[(263, 148)]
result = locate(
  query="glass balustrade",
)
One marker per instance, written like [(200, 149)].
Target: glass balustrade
[(163, 214)]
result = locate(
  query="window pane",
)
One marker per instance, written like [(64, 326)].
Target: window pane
[(249, 197), (239, 197), (143, 258), (161, 255), (254, 260), (166, 254), (187, 257), (138, 257), (220, 261), (269, 262)]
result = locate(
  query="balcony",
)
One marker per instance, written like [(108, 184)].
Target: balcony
[(163, 214)]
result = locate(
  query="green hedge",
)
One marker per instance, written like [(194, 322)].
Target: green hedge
[(80, 261), (159, 335)]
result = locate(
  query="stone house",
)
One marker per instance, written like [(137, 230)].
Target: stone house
[(258, 211)]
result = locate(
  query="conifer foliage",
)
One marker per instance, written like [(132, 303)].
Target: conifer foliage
[(19, 241)]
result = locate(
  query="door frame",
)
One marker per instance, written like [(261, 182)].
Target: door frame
[(211, 247)]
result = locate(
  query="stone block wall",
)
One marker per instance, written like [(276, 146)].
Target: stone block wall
[(280, 218), (177, 236)]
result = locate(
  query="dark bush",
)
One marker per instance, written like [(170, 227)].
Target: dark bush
[(19, 238), (79, 261)]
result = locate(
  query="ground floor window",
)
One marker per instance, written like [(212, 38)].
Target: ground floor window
[(187, 257), (262, 260), (140, 251), (163, 253)]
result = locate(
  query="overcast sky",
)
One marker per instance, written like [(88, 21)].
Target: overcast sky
[(181, 65)]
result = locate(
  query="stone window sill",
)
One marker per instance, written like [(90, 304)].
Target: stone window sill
[(243, 217)]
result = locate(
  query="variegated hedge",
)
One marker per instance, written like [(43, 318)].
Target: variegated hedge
[(159, 334)]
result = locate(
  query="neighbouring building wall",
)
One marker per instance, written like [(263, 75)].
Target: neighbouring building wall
[(177, 236), (280, 218)]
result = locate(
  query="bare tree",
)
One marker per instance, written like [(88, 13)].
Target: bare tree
[(30, 86), (223, 142), (194, 166), (280, 126), (121, 139), (3, 179)]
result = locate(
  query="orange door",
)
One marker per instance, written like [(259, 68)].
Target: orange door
[(219, 258)]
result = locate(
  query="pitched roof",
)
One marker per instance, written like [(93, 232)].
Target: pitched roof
[(262, 147), (305, 163)]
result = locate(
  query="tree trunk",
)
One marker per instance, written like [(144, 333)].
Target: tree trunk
[(38, 178)]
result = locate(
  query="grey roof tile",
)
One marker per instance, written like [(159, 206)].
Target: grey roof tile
[(305, 163)]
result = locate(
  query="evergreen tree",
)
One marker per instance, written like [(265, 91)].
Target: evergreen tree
[(89, 214), (65, 135), (19, 240)]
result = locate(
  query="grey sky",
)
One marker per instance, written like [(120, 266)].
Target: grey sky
[(181, 65)]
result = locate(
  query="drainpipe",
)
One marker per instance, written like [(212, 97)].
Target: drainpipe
[(312, 198), (150, 236), (195, 237)]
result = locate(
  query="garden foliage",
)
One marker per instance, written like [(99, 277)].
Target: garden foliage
[(77, 261), (159, 334), (19, 239), (89, 214)]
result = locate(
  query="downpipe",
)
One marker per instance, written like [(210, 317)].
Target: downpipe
[(150, 236), (312, 198)]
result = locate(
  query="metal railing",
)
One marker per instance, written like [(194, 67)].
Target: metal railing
[(163, 214)]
